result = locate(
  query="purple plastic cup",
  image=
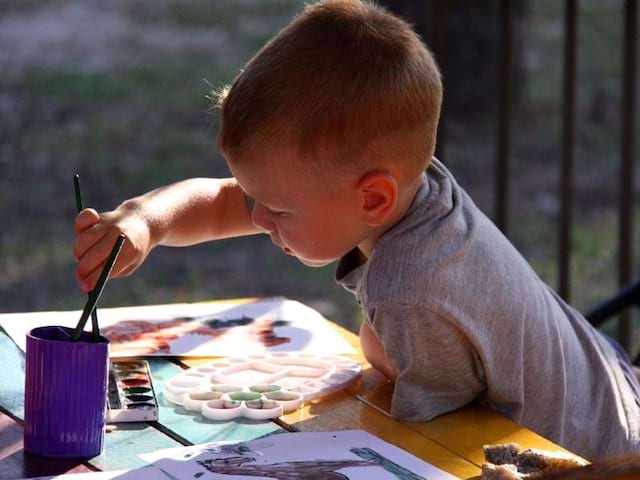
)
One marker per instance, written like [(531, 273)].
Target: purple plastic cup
[(65, 393)]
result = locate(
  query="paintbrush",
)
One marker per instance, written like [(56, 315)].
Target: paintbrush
[(94, 315), (94, 296)]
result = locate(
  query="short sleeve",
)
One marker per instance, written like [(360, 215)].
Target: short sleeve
[(438, 367)]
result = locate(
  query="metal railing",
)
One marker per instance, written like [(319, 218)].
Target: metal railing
[(438, 11)]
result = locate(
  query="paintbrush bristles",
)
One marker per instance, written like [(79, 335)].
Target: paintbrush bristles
[(94, 296)]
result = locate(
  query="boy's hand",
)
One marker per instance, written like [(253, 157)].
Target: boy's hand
[(95, 237)]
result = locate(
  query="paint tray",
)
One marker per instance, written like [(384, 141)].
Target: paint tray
[(259, 386), (131, 397)]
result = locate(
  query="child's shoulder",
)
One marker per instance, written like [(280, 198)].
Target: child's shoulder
[(446, 246)]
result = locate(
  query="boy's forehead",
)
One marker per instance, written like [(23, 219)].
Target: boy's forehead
[(278, 178), (266, 186)]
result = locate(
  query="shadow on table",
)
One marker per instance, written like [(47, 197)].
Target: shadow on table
[(20, 464)]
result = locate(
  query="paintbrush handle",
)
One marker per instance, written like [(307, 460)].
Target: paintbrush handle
[(95, 329), (94, 296), (76, 185)]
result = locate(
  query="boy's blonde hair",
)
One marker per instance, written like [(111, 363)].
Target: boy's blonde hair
[(346, 82)]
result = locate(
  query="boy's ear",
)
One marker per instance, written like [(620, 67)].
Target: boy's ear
[(378, 197)]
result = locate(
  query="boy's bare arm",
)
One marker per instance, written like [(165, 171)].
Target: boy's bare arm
[(180, 214), (374, 352), (194, 211)]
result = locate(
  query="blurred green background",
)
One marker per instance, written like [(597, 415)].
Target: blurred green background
[(117, 92)]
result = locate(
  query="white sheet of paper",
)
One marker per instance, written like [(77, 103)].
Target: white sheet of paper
[(199, 329), (349, 455)]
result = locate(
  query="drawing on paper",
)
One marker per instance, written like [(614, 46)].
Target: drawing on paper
[(305, 470), (215, 329), (342, 455), (143, 337)]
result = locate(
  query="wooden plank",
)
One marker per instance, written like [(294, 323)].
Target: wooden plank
[(466, 430), (463, 431), (14, 463), (194, 428), (122, 446)]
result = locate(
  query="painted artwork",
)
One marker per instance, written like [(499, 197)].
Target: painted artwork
[(199, 329), (344, 455)]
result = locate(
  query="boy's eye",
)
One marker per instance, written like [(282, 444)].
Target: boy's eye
[(276, 213)]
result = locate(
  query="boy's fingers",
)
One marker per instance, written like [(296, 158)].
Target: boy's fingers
[(85, 219), (97, 255), (88, 282), (88, 277), (128, 271), (86, 240)]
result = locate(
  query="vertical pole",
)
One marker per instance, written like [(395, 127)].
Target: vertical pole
[(439, 29), (625, 266), (568, 148), (504, 117)]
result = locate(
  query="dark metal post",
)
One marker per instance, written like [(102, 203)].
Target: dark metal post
[(440, 22), (625, 267), (568, 148), (504, 117)]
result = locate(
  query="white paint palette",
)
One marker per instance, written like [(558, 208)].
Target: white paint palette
[(259, 387)]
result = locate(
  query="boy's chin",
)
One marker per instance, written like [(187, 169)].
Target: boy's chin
[(314, 263)]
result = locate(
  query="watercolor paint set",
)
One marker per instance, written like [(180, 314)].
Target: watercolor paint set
[(131, 397)]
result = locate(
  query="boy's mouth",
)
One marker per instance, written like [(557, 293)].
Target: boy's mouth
[(286, 250)]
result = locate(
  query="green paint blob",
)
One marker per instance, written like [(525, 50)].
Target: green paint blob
[(244, 396)]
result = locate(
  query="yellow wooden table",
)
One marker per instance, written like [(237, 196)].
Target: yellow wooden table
[(452, 442)]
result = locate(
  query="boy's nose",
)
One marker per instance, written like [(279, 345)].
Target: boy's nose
[(260, 219)]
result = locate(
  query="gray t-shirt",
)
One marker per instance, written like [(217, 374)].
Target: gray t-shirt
[(462, 316)]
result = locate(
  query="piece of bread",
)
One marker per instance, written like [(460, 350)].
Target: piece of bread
[(548, 461), (505, 453), (509, 462), (500, 472)]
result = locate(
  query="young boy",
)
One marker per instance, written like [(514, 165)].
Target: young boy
[(328, 132)]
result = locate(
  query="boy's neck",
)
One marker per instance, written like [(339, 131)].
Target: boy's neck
[(365, 248)]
